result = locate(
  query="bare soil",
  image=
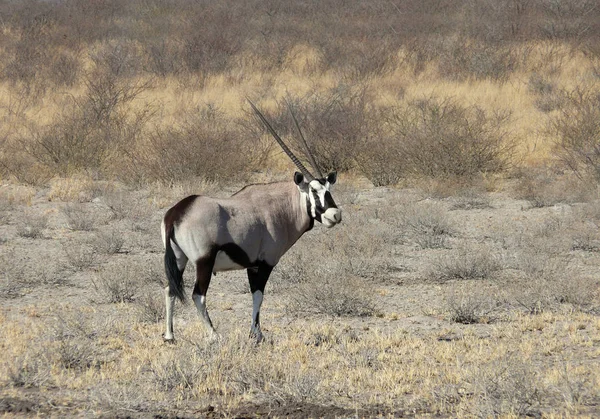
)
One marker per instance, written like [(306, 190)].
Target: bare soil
[(316, 364)]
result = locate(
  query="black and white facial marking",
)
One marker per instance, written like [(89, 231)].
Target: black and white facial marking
[(320, 203)]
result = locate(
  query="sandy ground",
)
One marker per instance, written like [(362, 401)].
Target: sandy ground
[(399, 265)]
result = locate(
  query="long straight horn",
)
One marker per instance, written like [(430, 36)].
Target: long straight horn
[(310, 156), (285, 148)]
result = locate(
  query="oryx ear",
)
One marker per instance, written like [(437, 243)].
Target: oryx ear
[(332, 177), (300, 181), (298, 178)]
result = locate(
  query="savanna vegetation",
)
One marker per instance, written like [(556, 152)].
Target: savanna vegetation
[(463, 282)]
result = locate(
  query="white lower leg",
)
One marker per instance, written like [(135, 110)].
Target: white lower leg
[(257, 299), (169, 303), (200, 301)]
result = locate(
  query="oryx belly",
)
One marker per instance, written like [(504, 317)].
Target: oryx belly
[(224, 263)]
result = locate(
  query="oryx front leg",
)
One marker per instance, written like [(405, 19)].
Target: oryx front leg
[(258, 276), (203, 274)]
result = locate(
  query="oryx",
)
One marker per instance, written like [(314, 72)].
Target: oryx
[(250, 230)]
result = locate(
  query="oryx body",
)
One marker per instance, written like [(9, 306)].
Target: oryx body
[(250, 230)]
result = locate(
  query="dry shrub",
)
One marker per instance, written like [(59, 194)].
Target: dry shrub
[(471, 307), (75, 344), (29, 371), (108, 242), (327, 273), (440, 138), (359, 248), (467, 263), (334, 124), (334, 296), (539, 294), (205, 143), (120, 203), (543, 188), (151, 306), (79, 217), (119, 283), (577, 131), (471, 199), (93, 129), (20, 275), (127, 280), (426, 224), (6, 208), (461, 59), (80, 257), (508, 386), (549, 97), (549, 280), (32, 225)]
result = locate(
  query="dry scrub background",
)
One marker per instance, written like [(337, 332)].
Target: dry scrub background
[(463, 282)]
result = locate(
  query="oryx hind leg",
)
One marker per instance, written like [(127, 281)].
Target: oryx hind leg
[(181, 261), (258, 277), (204, 269)]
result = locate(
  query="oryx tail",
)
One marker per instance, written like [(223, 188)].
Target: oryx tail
[(174, 275)]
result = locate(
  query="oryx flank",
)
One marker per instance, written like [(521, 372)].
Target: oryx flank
[(250, 230)]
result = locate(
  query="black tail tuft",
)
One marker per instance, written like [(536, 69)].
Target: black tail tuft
[(174, 275)]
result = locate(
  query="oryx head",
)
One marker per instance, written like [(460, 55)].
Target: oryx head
[(321, 205), (316, 190)]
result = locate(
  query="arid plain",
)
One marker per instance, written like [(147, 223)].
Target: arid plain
[(463, 281)]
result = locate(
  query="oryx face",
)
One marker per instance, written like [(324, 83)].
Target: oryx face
[(321, 205)]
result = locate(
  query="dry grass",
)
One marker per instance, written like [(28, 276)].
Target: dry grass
[(460, 305), (345, 328)]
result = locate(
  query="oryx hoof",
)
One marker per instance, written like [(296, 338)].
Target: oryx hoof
[(258, 337), (170, 341)]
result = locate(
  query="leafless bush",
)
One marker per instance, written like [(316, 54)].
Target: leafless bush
[(177, 374), (471, 307), (440, 138), (29, 371), (549, 281), (65, 69), (358, 249), (32, 225), (75, 346), (119, 283), (152, 306), (79, 257), (108, 241), (549, 97), (163, 58), (334, 123), (205, 143), (508, 386), (568, 19), (93, 128), (578, 133), (461, 59), (79, 217), (465, 264), (379, 156), (5, 210), (122, 205), (209, 49), (543, 188), (470, 199), (334, 297), (359, 61), (427, 225)]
